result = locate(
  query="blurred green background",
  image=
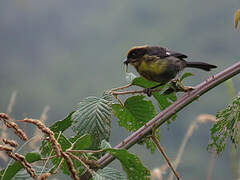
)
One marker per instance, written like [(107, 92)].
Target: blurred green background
[(58, 52)]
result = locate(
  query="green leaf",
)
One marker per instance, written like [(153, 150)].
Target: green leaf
[(135, 113), (12, 170), (130, 164), (149, 143), (108, 173), (163, 100), (57, 127), (142, 82), (227, 126), (185, 75), (62, 125), (93, 116), (82, 142)]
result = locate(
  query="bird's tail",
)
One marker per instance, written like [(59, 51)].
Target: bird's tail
[(201, 65)]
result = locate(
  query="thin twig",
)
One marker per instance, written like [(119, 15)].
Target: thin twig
[(78, 159), (45, 164), (203, 118), (156, 141), (133, 92), (119, 100), (120, 88), (86, 151), (59, 166), (50, 157), (37, 133)]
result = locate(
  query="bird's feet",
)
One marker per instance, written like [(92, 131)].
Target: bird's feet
[(177, 86), (148, 91)]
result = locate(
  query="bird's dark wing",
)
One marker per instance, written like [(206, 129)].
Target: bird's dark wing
[(164, 52)]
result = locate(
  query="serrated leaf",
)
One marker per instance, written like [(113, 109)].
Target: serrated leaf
[(108, 173), (135, 113), (130, 164), (14, 168), (185, 75), (93, 116), (62, 125), (227, 126)]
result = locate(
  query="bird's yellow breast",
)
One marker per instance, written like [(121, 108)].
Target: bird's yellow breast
[(156, 66)]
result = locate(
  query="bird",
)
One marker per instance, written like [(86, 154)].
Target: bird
[(159, 64)]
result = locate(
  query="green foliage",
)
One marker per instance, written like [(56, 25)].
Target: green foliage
[(164, 100), (78, 143), (131, 164), (14, 168), (142, 82), (135, 113), (185, 75), (108, 173), (62, 125), (149, 143), (226, 126), (82, 142), (93, 116)]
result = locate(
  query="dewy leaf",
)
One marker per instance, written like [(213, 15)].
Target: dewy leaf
[(108, 173), (236, 18), (227, 125), (12, 170), (135, 113), (93, 116), (131, 164)]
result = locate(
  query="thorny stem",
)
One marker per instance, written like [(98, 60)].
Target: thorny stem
[(59, 166), (163, 116)]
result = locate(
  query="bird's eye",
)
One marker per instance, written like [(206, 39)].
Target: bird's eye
[(133, 54)]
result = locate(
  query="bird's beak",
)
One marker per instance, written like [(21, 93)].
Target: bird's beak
[(126, 61)]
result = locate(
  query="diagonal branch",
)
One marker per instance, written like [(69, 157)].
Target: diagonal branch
[(163, 116)]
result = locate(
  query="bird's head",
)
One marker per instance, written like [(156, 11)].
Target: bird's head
[(135, 54)]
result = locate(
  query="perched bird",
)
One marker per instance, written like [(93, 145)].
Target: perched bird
[(160, 64)]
